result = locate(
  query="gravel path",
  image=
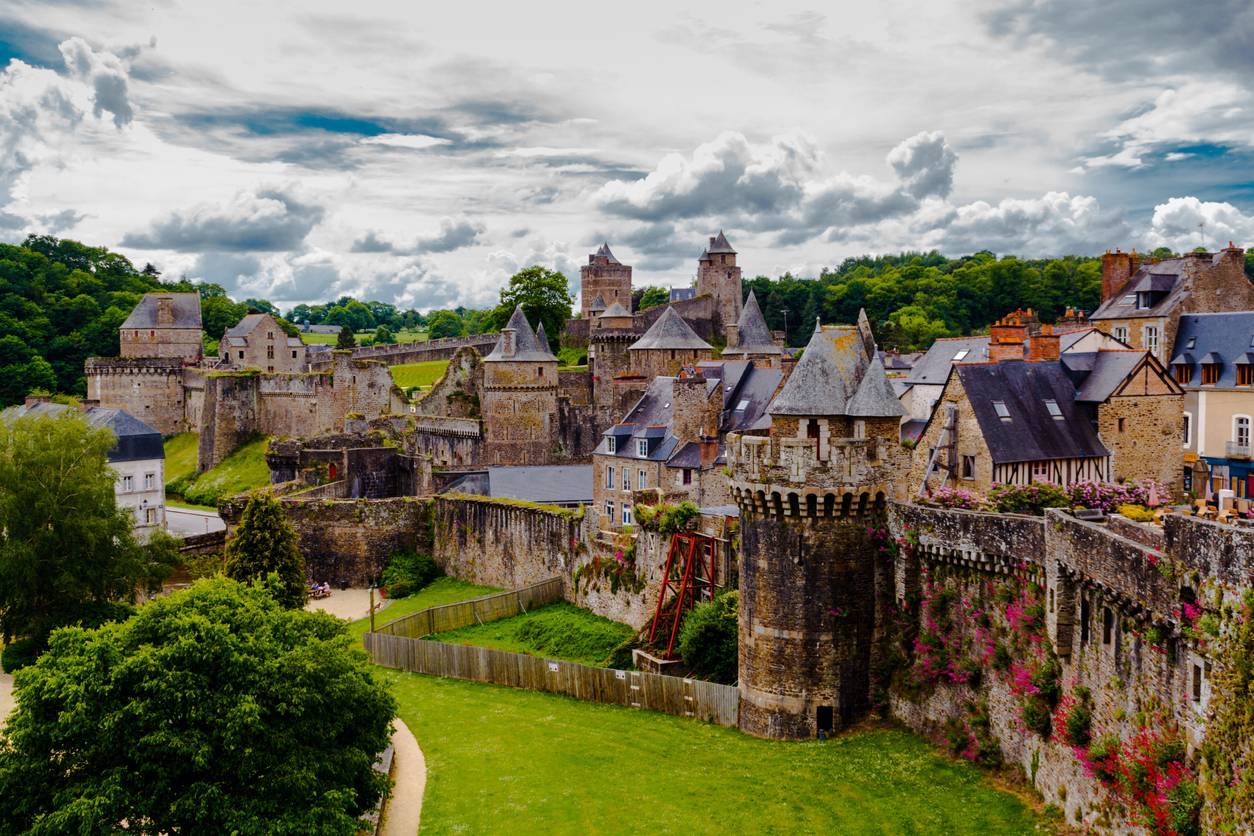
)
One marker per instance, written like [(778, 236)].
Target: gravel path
[(345, 603), (404, 808)]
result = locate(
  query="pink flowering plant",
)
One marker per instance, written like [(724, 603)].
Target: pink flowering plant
[(957, 498), (1108, 496)]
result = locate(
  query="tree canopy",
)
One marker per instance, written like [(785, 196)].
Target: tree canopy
[(346, 338), (544, 298), (264, 544), (212, 710), (67, 552), (651, 297)]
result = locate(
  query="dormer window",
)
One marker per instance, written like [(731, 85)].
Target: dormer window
[(1054, 411), (1210, 374), (1143, 302), (1245, 375), (1000, 408), (642, 448), (1183, 373), (611, 445), (962, 355)]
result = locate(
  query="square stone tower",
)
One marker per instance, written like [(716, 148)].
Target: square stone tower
[(603, 278), (719, 277), (519, 402)]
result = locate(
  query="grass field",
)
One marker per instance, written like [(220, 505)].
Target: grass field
[(243, 470), (405, 335), (180, 457), (439, 591), (424, 375), (557, 631), (506, 760)]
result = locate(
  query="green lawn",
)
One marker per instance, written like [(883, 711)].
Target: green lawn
[(440, 591), (407, 375), (244, 469), (506, 760), (557, 631), (405, 335), (180, 456)]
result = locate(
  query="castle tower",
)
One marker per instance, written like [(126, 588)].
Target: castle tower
[(603, 281), (753, 337), (719, 277), (668, 346), (519, 403), (810, 580)]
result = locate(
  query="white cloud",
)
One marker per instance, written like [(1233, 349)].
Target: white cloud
[(414, 141), (264, 220), (107, 75), (1183, 223)]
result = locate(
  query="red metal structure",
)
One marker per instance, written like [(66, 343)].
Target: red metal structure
[(694, 581)]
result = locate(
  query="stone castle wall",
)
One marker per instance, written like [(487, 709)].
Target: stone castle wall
[(151, 389), (417, 352)]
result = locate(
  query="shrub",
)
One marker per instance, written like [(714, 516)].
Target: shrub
[(675, 518), (708, 638), (1103, 757), (407, 573), (265, 544), (1077, 718), (959, 498), (1027, 499), (1035, 713), (1136, 513), (1108, 496), (21, 653)]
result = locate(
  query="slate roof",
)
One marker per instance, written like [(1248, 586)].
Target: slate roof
[(832, 379), (753, 336), (549, 484), (1031, 433), (1164, 278), (670, 331), (597, 304), (1228, 336), (245, 326), (1097, 374), (527, 346), (933, 366), (136, 440), (681, 294), (614, 310), (184, 306), (719, 244), (604, 251)]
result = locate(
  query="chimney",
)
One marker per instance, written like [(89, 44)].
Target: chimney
[(709, 450), (786, 364), (509, 342), (31, 400), (1117, 269), (1045, 345), (694, 412), (1005, 339), (165, 311)]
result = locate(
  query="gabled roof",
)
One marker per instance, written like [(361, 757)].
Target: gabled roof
[(1031, 433), (246, 325), (747, 391), (615, 310), (527, 346), (933, 367), (1099, 374), (875, 397), (670, 331), (185, 308), (604, 252), (752, 334), (829, 375), (1165, 277), (1225, 338), (718, 244)]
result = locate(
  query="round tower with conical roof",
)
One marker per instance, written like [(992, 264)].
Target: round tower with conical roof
[(668, 346), (519, 401), (603, 281), (811, 585)]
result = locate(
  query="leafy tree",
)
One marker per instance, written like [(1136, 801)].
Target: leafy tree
[(265, 544), (218, 313), (544, 298), (345, 339), (67, 552), (444, 324), (383, 336), (708, 638), (651, 297), (212, 710)]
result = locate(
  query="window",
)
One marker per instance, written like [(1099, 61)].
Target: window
[(611, 444), (859, 428), (743, 405), (241, 354), (1210, 374), (539, 371), (150, 516), (1130, 299), (1245, 375), (968, 467), (270, 336), (150, 481), (1121, 333), (1054, 411), (1143, 302), (1000, 408), (1197, 683), (293, 354), (1188, 478), (1183, 373), (1151, 339), (1241, 430), (269, 352), (1192, 343), (642, 481), (962, 355), (642, 448), (609, 510), (626, 513), (687, 475), (128, 484), (609, 478), (1121, 425), (1108, 624), (1188, 429)]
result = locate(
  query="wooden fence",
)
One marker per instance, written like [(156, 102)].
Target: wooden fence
[(707, 701), (475, 611)]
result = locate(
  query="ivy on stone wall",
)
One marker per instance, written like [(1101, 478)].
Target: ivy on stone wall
[(1228, 753)]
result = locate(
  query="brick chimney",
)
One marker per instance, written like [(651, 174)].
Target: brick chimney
[(1117, 269), (786, 364), (165, 311), (509, 342), (32, 400), (709, 450), (1045, 345), (1006, 339), (694, 412)]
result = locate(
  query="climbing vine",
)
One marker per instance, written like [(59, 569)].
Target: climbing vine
[(1228, 753)]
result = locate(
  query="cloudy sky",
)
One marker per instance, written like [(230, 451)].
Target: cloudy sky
[(421, 154)]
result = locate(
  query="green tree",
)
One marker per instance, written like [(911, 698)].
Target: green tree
[(651, 297), (67, 552), (218, 313), (345, 338), (544, 298), (383, 336), (442, 324), (708, 638), (265, 544), (213, 710)]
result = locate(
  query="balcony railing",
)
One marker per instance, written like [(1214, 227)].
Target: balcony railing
[(1236, 450)]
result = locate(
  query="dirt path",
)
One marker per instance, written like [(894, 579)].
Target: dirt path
[(404, 808), (345, 603), (7, 703)]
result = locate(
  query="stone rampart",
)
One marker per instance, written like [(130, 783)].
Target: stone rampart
[(415, 352)]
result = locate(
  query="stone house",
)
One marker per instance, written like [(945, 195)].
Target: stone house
[(1214, 363), (165, 325), (1110, 414), (258, 342), (519, 400), (1142, 302), (138, 457)]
